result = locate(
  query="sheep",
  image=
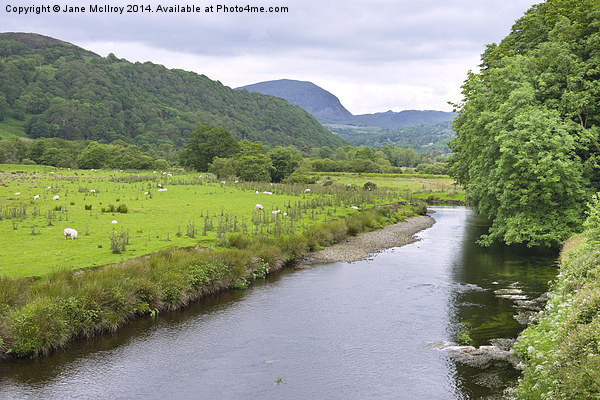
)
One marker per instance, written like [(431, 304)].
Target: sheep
[(36, 197), (275, 212), (169, 174), (56, 198), (265, 192), (17, 193), (92, 191), (145, 192), (306, 190), (223, 182), (162, 190), (70, 232), (285, 214), (114, 222), (259, 207), (354, 208), (256, 192), (159, 185)]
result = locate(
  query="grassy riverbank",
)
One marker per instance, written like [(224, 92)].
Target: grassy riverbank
[(561, 351), (38, 316)]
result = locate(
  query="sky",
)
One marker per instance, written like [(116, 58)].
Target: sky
[(374, 55)]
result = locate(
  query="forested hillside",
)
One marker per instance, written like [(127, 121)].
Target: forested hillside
[(422, 138), (527, 145), (50, 88)]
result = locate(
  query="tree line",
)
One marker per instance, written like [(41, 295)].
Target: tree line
[(527, 145)]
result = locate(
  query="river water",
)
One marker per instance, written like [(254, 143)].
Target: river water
[(368, 329)]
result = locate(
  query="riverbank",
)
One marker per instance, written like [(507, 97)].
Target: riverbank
[(39, 316), (358, 247), (560, 352)]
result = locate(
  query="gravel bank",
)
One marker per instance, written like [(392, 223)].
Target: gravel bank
[(358, 247)]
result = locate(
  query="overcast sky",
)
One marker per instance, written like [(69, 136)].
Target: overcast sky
[(374, 55)]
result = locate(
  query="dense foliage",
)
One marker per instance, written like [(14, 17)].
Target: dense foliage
[(423, 138), (561, 351), (527, 131), (60, 90)]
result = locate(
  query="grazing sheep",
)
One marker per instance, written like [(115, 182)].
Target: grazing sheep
[(275, 212), (354, 208), (265, 192), (145, 192), (36, 197), (17, 193), (306, 190), (162, 190), (70, 232), (159, 185), (223, 182), (256, 192), (56, 198), (92, 191), (259, 207), (114, 222), (285, 214), (169, 174)]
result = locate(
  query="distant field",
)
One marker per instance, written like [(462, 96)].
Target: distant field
[(10, 128), (194, 210), (436, 187)]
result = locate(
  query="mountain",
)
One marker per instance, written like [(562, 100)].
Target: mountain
[(403, 119), (323, 105), (50, 88)]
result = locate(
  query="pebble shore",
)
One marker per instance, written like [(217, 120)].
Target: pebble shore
[(359, 247)]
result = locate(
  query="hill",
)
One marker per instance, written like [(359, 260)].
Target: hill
[(415, 129), (323, 105), (403, 119), (56, 89)]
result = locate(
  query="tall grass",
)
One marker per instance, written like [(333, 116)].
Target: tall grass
[(42, 315)]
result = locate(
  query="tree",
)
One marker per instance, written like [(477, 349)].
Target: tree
[(95, 156), (527, 129), (205, 144), (285, 161), (251, 164)]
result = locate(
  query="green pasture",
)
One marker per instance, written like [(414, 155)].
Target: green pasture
[(433, 187), (11, 128), (32, 230)]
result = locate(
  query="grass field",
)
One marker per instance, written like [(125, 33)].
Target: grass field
[(195, 210), (10, 128), (432, 187)]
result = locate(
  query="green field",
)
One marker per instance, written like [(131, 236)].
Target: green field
[(195, 210), (10, 128)]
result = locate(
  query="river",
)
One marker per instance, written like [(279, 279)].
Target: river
[(368, 329)]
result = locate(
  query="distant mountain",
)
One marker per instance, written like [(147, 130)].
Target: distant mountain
[(327, 108), (403, 119), (50, 88), (323, 105)]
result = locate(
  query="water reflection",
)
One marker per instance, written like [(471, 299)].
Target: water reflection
[(496, 279)]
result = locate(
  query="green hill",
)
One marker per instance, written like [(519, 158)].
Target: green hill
[(60, 90)]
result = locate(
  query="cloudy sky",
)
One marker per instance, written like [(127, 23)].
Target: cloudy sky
[(374, 55)]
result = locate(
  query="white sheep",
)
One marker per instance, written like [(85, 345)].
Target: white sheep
[(70, 232), (265, 192), (114, 222), (162, 190), (223, 182), (92, 191), (256, 192), (56, 198), (17, 193), (159, 185), (275, 212), (145, 192), (259, 207), (306, 190), (354, 208), (169, 174), (36, 197), (285, 214)]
